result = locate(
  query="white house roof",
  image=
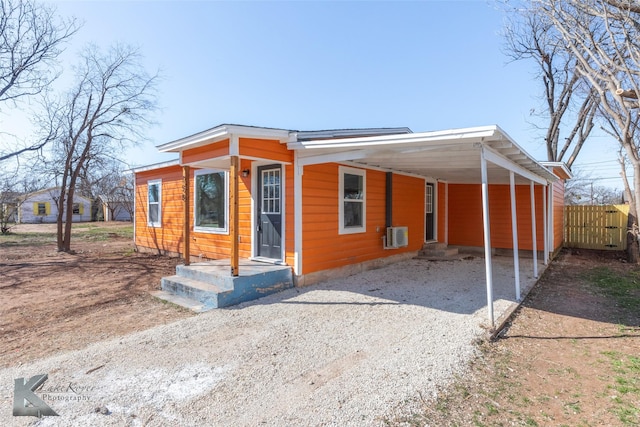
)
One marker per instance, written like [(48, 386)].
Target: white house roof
[(451, 155)]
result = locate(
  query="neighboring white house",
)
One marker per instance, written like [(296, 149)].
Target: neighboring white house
[(40, 206), (115, 210)]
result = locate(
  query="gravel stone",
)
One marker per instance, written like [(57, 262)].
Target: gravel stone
[(346, 352)]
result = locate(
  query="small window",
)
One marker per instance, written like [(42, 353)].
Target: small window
[(353, 206), (76, 208), (211, 201), (154, 206), (42, 208)]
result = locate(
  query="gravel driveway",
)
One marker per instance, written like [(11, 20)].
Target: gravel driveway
[(344, 352)]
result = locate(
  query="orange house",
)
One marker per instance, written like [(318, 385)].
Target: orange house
[(333, 202)]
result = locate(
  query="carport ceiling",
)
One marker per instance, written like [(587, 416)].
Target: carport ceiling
[(453, 155)]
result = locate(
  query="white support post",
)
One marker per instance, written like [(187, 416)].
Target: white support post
[(487, 235), (545, 223), (297, 214), (514, 232), (534, 237)]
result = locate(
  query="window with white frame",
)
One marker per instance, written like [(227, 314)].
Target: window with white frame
[(154, 203), (211, 201), (352, 197)]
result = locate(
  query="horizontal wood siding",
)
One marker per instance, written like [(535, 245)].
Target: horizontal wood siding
[(324, 248), (558, 214), (265, 149), (289, 215), (465, 216), (169, 237), (210, 151), (441, 207)]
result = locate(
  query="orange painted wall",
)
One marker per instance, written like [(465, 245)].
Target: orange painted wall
[(209, 151), (324, 248), (558, 214), (465, 216), (265, 149), (169, 237)]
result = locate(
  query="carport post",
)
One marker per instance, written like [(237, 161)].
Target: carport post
[(487, 235), (534, 240), (514, 229)]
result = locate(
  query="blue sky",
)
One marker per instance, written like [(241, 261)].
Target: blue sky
[(306, 65)]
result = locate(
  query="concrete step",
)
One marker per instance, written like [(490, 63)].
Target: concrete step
[(207, 294), (434, 246), (208, 286), (439, 253), (187, 303)]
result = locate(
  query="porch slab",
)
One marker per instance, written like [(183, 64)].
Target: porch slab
[(209, 285)]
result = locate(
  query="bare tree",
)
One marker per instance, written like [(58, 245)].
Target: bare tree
[(106, 110), (604, 37), (31, 39), (570, 104), (107, 178)]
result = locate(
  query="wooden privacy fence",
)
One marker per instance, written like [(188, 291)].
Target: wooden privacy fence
[(596, 227)]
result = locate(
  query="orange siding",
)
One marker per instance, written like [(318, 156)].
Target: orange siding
[(558, 214), (265, 149), (324, 248), (210, 151), (289, 225), (465, 216), (169, 237)]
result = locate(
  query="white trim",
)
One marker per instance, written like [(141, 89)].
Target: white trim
[(486, 226), (514, 233), (234, 145), (222, 132), (342, 170), (550, 227), (157, 182), (335, 157), (434, 207), (446, 213), (545, 226), (255, 180), (298, 172), (154, 166), (211, 230), (534, 240), (497, 159)]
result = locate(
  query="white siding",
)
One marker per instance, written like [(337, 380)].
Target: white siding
[(28, 216)]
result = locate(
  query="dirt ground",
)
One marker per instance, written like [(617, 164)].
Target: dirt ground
[(569, 357), (53, 301)]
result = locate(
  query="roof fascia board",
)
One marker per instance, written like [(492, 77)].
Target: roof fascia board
[(156, 166), (492, 156), (454, 134), (342, 156), (562, 165), (220, 133)]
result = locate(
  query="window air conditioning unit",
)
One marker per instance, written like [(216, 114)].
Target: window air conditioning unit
[(397, 237)]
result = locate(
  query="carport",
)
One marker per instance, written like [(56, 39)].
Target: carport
[(480, 155)]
